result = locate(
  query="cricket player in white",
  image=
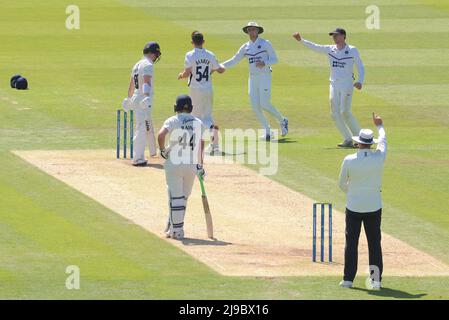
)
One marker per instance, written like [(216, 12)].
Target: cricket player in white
[(184, 160), (261, 56), (342, 58), (140, 96), (198, 67)]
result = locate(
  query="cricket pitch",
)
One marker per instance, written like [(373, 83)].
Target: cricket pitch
[(262, 228)]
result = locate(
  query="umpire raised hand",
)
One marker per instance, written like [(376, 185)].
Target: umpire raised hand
[(361, 180)]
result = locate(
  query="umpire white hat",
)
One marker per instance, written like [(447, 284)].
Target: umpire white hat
[(252, 24), (366, 136)]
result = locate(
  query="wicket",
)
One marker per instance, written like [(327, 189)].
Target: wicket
[(125, 133), (323, 206)]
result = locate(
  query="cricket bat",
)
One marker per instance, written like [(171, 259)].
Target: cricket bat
[(208, 216)]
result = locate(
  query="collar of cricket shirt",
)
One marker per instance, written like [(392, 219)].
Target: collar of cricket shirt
[(365, 152), (255, 42), (344, 49)]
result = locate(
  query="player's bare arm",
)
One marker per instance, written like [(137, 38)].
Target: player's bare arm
[(220, 70), (161, 142), (131, 88), (185, 74), (126, 104), (161, 138)]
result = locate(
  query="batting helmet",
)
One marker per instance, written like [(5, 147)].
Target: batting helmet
[(152, 47), (22, 83), (183, 103), (14, 80)]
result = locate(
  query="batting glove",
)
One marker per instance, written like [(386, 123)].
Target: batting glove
[(126, 104), (145, 103), (200, 170), (164, 153)]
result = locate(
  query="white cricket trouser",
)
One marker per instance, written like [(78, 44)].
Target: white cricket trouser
[(180, 180), (259, 90), (144, 132), (202, 99), (340, 97)]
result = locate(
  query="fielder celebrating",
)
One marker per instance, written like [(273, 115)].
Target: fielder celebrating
[(342, 58), (198, 67), (261, 56), (184, 160), (140, 96)]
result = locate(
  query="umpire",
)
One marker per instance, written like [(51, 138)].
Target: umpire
[(361, 180)]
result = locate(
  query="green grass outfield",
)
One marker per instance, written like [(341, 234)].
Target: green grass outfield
[(78, 78)]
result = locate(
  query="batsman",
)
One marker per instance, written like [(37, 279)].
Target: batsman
[(183, 161), (139, 99)]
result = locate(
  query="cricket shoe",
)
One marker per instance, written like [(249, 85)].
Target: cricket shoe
[(284, 127), (345, 284), (346, 144), (374, 285), (140, 163), (177, 234)]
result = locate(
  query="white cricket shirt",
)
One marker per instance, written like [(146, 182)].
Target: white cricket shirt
[(202, 62), (259, 50), (341, 61), (143, 67), (361, 177), (185, 135)]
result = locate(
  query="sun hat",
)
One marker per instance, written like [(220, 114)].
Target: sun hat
[(252, 24), (366, 136)]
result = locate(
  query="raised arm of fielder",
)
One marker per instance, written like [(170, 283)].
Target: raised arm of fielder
[(315, 47)]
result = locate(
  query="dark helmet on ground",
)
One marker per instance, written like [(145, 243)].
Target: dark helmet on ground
[(183, 103), (152, 47), (22, 83), (14, 80)]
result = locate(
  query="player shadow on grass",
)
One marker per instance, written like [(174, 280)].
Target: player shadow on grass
[(387, 292), (285, 140), (203, 242)]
